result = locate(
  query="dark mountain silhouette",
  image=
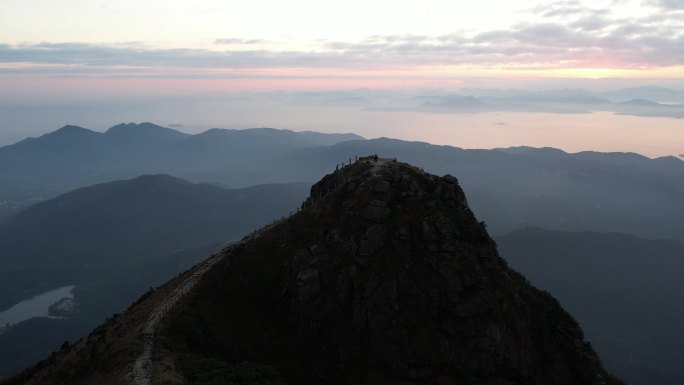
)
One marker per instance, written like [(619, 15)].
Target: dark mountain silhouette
[(625, 292), (384, 277)]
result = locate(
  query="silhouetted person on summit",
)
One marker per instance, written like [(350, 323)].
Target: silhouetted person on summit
[(375, 158)]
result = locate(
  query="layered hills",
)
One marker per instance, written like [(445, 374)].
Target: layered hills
[(509, 188), (74, 157), (384, 277)]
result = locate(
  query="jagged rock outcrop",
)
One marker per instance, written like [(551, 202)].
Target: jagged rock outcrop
[(384, 277)]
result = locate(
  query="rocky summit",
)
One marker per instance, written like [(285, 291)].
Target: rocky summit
[(383, 277)]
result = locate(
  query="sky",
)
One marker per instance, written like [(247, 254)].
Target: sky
[(131, 54)]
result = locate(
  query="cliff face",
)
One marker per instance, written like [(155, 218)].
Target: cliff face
[(384, 277)]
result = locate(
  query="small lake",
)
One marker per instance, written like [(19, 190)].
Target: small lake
[(34, 307)]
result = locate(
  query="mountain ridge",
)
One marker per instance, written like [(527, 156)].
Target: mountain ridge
[(384, 276), (545, 187)]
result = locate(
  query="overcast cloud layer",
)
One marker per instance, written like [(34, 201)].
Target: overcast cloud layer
[(559, 35)]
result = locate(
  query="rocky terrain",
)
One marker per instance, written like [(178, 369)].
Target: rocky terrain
[(384, 277)]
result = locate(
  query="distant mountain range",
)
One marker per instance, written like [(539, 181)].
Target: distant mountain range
[(579, 95), (625, 291), (571, 96), (73, 157), (510, 188), (655, 93), (646, 101)]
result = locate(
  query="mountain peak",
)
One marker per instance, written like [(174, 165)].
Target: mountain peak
[(161, 177), (66, 134), (384, 276), (143, 130), (71, 130), (163, 180)]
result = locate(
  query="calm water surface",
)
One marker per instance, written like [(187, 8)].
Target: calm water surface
[(34, 307)]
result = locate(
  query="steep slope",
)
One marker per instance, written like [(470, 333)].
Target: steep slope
[(384, 277), (625, 291)]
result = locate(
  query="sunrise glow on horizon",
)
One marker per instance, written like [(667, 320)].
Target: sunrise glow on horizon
[(354, 67)]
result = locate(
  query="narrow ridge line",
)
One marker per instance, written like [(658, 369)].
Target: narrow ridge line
[(142, 367)]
